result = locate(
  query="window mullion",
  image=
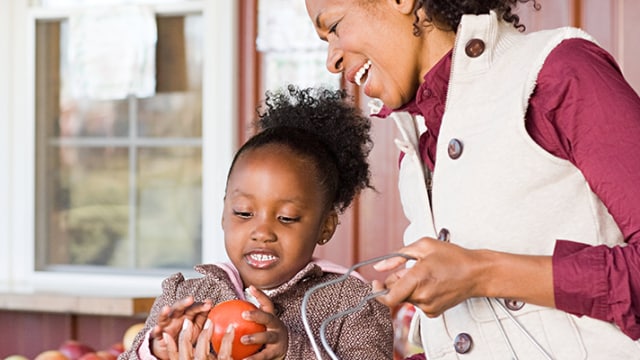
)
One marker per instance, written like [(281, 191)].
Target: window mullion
[(133, 180)]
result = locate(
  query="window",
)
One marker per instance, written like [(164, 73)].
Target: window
[(120, 181), (292, 51)]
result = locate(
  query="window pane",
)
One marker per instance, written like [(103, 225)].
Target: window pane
[(292, 52), (302, 68), (87, 217), (176, 114), (119, 181), (92, 118), (169, 192), (67, 3)]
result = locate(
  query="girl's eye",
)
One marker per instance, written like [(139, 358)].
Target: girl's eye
[(242, 214), (288, 220)]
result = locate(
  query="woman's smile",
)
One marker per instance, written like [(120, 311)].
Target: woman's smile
[(362, 73)]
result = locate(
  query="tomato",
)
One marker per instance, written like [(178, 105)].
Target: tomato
[(230, 312)]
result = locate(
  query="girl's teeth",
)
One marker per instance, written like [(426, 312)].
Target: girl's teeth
[(361, 72), (262, 257)]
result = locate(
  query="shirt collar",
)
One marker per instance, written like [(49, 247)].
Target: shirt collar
[(435, 84)]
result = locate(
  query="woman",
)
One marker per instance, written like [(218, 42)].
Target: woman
[(522, 194)]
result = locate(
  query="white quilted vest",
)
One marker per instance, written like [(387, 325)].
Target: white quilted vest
[(504, 193)]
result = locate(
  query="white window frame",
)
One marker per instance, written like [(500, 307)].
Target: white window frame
[(17, 146)]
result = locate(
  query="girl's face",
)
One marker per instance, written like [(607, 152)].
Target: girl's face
[(274, 215), (372, 43)]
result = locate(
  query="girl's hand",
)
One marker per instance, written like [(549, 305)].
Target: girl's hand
[(171, 320), (185, 350), (276, 338)]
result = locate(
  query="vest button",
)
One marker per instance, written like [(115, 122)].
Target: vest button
[(474, 48), (513, 305), (455, 148), (443, 235), (463, 343)]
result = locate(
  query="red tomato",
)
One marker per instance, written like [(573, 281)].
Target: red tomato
[(230, 312)]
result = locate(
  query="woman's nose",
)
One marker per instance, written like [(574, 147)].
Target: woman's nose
[(334, 58)]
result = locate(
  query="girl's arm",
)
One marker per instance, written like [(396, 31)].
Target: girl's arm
[(167, 297), (367, 333)]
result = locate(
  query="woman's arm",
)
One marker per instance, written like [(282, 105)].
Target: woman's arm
[(445, 274), (584, 111)]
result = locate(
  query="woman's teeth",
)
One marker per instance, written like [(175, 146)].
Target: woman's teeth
[(363, 70)]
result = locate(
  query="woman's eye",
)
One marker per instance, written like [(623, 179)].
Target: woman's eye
[(333, 28), (242, 214)]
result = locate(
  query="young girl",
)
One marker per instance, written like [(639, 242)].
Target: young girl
[(285, 189)]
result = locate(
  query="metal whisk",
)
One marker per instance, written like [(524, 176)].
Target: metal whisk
[(346, 312)]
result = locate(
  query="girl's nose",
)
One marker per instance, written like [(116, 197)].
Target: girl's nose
[(334, 58), (262, 232)]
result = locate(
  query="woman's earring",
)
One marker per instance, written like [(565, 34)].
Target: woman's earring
[(323, 241)]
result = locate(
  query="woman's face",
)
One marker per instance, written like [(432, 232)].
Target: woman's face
[(274, 215), (372, 43)]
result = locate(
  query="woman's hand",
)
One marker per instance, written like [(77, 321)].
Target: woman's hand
[(275, 338), (446, 274), (171, 320), (442, 276)]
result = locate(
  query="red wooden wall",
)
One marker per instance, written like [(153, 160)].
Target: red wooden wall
[(30, 333)]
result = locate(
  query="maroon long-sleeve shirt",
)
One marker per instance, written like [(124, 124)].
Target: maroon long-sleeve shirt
[(584, 111)]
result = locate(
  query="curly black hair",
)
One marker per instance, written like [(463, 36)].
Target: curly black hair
[(446, 14), (324, 126)]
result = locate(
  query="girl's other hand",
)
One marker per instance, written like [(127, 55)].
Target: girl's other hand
[(276, 338)]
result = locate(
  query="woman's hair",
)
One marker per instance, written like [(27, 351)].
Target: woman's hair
[(323, 126), (446, 14)]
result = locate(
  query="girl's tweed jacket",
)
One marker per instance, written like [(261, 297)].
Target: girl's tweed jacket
[(365, 334)]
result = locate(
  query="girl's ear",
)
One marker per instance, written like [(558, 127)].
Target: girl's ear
[(403, 6), (329, 227)]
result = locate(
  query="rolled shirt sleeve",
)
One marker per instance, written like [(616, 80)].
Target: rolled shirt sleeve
[(592, 118)]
